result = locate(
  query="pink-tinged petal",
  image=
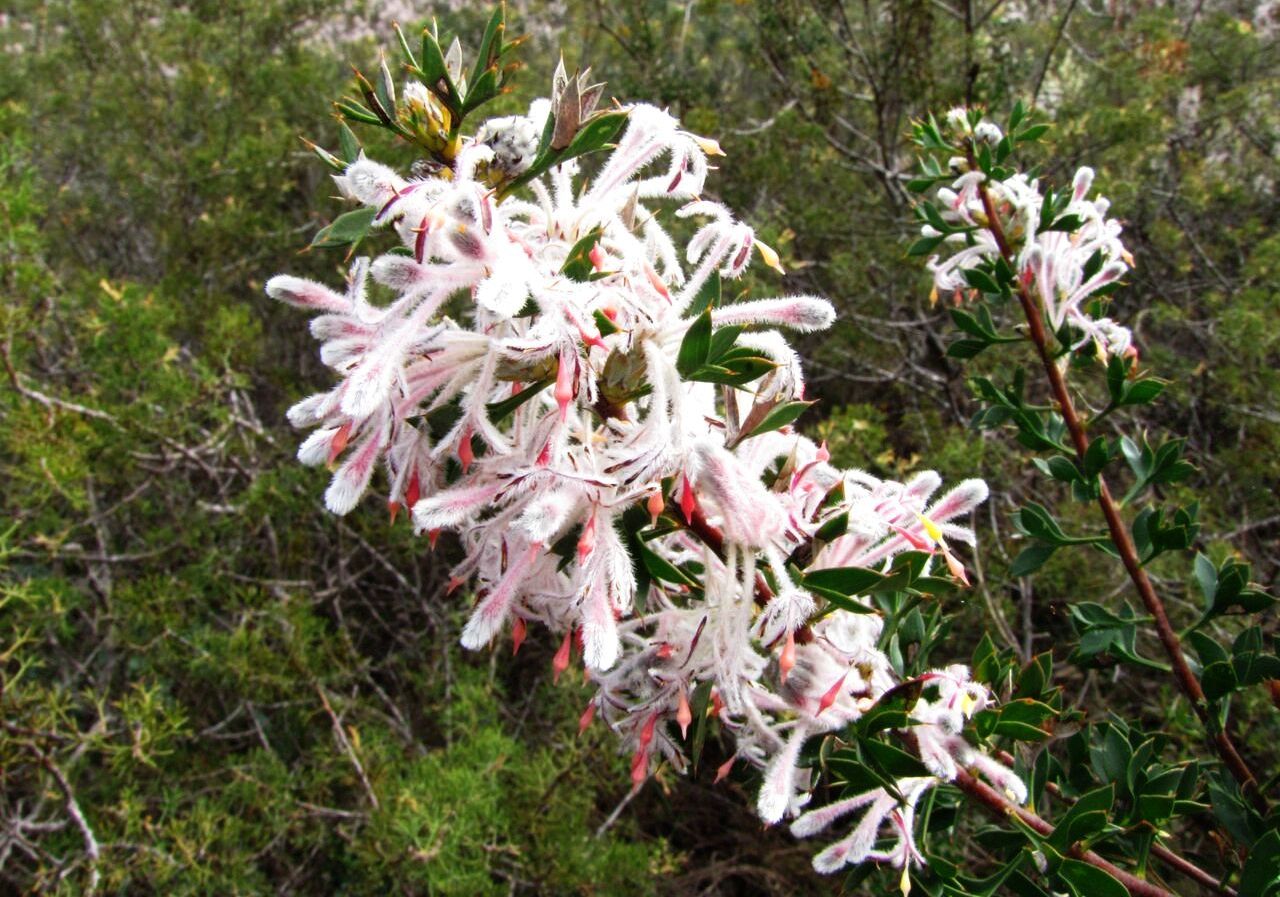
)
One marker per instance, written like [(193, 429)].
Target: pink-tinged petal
[(750, 514), (959, 501), (600, 643), (916, 542), (491, 613), (352, 478), (779, 779), (815, 821), (802, 313), (302, 293), (451, 507)]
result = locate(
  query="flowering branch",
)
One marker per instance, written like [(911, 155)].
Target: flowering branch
[(1186, 680), (557, 380)]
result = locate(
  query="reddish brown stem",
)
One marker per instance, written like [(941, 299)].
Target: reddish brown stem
[(1120, 537), (997, 805), (1164, 854)]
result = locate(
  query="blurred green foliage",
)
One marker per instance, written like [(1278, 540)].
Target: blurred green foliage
[(235, 693)]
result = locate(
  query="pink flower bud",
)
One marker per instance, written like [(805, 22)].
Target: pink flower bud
[(655, 506), (787, 660), (684, 715)]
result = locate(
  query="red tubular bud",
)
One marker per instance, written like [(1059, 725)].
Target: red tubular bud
[(639, 768), (518, 632), (723, 770), (414, 492), (465, 455), (587, 541), (339, 442), (588, 715), (560, 662), (687, 500), (646, 733), (832, 694)]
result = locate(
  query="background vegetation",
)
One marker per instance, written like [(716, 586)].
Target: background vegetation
[(208, 685)]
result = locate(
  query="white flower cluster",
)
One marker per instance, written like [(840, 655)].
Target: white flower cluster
[(484, 309), (1066, 269)]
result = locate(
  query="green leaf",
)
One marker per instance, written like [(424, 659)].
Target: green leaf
[(1085, 880), (1023, 720), (490, 47), (708, 295), (834, 528), (603, 324), (1031, 558), (924, 246), (347, 143), (660, 568), (597, 132), (1087, 816), (695, 347), (845, 580), (1218, 680), (499, 410), (722, 341), (698, 707), (577, 264), (348, 228), (981, 280), (967, 348), (1035, 676), (1261, 874), (356, 112), (779, 417), (1033, 133), (891, 760)]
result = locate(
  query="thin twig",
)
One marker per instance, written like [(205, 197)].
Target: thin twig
[(345, 744)]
